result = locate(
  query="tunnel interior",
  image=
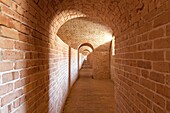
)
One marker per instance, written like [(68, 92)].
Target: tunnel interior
[(43, 44)]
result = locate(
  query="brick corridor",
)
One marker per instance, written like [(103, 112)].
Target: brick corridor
[(91, 96)]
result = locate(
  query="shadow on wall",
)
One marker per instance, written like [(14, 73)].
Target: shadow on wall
[(99, 59), (24, 66), (35, 65), (25, 76)]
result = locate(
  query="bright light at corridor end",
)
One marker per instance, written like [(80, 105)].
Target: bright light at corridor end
[(113, 45), (109, 37)]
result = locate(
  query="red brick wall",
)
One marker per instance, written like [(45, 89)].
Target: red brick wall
[(141, 65), (100, 61), (101, 67), (34, 62), (74, 65), (81, 60), (58, 76), (90, 59)]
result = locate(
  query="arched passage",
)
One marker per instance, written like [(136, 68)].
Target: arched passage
[(88, 60), (34, 60), (86, 52), (86, 44)]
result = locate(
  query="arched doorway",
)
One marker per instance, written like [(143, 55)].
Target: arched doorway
[(86, 49)]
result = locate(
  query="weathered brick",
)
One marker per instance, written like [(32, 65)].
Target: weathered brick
[(162, 66), (12, 55), (16, 103), (167, 5), (4, 89), (9, 77), (138, 55), (147, 83), (5, 20), (144, 100), (7, 99), (152, 6), (154, 55), (14, 6), (168, 55), (18, 84), (6, 43), (8, 32), (145, 46), (142, 38), (168, 30), (15, 24), (144, 29), (158, 77), (7, 2), (162, 19), (154, 13), (19, 2), (168, 80), (21, 64), (6, 66), (163, 90), (157, 109), (26, 38), (20, 10), (162, 43), (160, 2), (168, 105), (144, 64), (156, 33), (145, 73), (25, 29), (6, 109), (160, 101), (23, 46)]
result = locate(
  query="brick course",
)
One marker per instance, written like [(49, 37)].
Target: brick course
[(152, 56), (33, 60)]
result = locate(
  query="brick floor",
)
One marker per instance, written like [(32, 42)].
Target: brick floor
[(90, 96)]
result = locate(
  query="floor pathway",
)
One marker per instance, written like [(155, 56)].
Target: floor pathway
[(91, 96)]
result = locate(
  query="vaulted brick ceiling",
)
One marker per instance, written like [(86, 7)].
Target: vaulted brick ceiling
[(85, 50), (117, 14), (83, 30), (107, 11)]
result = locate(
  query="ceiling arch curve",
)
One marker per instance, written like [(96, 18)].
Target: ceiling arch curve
[(85, 30), (86, 44), (85, 50), (106, 11), (115, 13)]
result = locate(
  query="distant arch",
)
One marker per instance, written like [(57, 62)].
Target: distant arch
[(92, 48), (87, 50), (86, 44)]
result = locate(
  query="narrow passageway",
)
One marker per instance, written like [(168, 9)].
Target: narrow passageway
[(91, 96), (86, 70), (43, 44)]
